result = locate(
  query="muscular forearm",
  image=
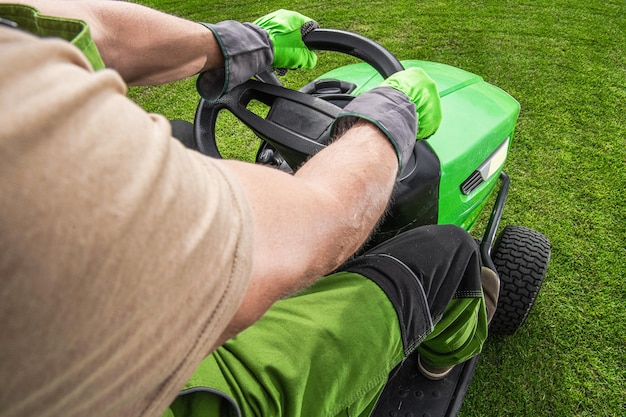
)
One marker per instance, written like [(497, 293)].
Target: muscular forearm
[(358, 173), (317, 218), (144, 45)]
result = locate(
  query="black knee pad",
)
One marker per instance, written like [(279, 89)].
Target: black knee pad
[(421, 270)]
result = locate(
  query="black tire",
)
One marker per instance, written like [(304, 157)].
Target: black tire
[(521, 257)]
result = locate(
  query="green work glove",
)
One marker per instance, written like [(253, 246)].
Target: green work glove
[(274, 40), (286, 29), (395, 107), (422, 91)]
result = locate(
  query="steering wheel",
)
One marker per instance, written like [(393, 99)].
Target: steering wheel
[(297, 124)]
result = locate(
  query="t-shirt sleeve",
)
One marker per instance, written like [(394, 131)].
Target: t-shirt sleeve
[(123, 255)]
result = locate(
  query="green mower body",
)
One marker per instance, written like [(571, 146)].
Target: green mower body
[(472, 142)]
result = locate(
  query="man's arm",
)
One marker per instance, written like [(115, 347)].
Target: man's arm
[(306, 225), (144, 45)]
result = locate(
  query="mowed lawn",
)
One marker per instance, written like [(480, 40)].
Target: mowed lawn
[(564, 61)]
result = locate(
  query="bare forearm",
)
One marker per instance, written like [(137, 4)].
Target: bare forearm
[(317, 219), (358, 173), (144, 45)]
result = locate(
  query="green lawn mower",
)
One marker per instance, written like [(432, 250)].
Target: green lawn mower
[(448, 180)]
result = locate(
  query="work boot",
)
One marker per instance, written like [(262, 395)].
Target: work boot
[(491, 290), (434, 373)]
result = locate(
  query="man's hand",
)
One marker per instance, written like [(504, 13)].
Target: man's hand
[(286, 29), (422, 91), (274, 40), (392, 107)]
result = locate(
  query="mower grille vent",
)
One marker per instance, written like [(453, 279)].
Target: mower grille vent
[(487, 169), (472, 182)]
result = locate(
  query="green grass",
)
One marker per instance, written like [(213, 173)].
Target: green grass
[(565, 63)]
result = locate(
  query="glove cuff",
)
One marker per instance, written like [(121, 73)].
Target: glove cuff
[(388, 109), (247, 51)]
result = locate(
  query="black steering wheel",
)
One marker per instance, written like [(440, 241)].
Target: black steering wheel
[(297, 124)]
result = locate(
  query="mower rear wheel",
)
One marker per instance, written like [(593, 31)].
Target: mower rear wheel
[(521, 257)]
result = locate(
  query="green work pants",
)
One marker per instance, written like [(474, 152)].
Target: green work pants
[(329, 350)]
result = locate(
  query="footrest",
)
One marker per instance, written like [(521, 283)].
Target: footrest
[(408, 393)]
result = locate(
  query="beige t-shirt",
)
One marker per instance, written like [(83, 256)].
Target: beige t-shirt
[(123, 255)]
